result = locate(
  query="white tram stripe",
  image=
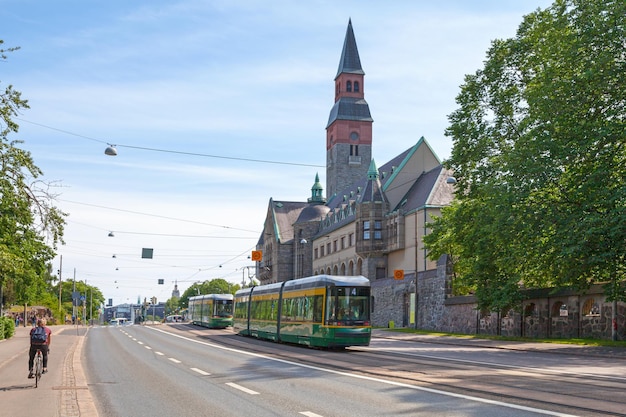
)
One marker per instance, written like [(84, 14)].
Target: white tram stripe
[(200, 371), (240, 388), (174, 360)]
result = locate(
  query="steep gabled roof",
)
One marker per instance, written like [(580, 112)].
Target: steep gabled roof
[(284, 214)]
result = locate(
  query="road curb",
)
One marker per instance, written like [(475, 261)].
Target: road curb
[(75, 400), (86, 404)]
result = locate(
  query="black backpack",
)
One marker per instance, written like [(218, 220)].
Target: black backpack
[(39, 336)]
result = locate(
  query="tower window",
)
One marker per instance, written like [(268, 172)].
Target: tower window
[(349, 86), (356, 86), (354, 150)]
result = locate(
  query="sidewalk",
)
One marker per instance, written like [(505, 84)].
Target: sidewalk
[(529, 346), (63, 391)]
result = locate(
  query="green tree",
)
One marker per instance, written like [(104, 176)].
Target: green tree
[(172, 305), (30, 225), (214, 286), (539, 156)]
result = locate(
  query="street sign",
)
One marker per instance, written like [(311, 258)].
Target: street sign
[(257, 255)]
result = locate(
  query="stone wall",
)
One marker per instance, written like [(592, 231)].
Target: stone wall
[(543, 314), (390, 299)]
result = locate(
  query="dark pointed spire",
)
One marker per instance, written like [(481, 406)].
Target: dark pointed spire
[(350, 61)]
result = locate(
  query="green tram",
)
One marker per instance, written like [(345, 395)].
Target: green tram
[(214, 311), (320, 311)]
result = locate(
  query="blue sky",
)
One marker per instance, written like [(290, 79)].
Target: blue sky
[(173, 83)]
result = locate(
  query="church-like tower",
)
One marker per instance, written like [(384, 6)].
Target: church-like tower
[(349, 128)]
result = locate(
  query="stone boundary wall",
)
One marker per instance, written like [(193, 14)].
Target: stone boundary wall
[(543, 314)]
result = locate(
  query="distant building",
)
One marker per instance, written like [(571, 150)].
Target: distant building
[(133, 312), (175, 291)]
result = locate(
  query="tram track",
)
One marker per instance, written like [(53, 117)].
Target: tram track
[(565, 392)]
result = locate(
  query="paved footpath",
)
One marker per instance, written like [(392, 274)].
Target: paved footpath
[(62, 392), (609, 352)]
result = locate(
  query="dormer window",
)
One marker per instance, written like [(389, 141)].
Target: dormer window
[(356, 86), (349, 86)]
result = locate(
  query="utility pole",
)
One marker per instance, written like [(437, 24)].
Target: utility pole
[(61, 288), (73, 300)]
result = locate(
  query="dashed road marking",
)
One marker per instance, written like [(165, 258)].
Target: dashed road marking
[(309, 414), (159, 353), (174, 360), (140, 342), (240, 388), (147, 347), (200, 371)]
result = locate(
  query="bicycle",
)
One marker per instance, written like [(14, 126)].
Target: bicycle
[(38, 366)]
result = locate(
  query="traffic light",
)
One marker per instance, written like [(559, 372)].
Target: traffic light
[(154, 300)]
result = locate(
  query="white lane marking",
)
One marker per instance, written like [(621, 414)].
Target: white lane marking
[(159, 353), (368, 378), (147, 347), (200, 371), (140, 342), (309, 414), (240, 388), (174, 360)]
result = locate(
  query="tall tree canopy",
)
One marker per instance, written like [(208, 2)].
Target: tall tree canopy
[(30, 225), (539, 156)]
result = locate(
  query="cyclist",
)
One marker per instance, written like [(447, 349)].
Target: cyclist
[(38, 344)]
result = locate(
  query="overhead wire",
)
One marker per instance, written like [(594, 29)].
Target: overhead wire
[(143, 148)]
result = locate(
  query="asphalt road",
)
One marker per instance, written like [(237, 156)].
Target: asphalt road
[(184, 370)]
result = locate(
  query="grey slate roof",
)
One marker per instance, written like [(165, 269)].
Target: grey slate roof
[(419, 194), (284, 214), (350, 61), (313, 212), (350, 108)]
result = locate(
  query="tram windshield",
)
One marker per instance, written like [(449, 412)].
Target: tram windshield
[(347, 306), (223, 308)]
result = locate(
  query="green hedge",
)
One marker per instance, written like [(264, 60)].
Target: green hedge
[(7, 327)]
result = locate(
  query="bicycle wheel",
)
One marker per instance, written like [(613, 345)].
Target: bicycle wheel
[(38, 367)]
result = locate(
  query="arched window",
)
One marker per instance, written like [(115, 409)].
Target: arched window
[(356, 86), (530, 310), (591, 308), (349, 86)]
